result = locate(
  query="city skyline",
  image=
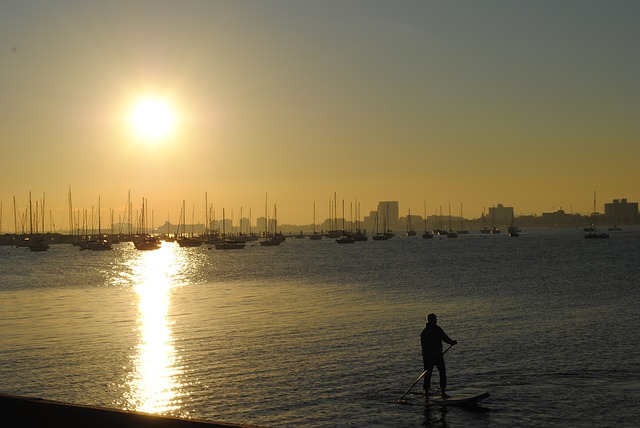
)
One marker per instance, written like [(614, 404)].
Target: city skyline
[(529, 104), (17, 218)]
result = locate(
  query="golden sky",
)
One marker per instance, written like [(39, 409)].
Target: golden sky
[(531, 104)]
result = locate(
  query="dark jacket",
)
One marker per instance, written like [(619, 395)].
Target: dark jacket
[(431, 340)]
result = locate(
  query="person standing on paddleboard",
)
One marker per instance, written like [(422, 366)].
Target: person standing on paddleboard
[(431, 340)]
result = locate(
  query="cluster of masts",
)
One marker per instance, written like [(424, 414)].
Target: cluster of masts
[(83, 231)]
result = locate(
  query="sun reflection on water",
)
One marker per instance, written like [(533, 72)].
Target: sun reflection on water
[(154, 385)]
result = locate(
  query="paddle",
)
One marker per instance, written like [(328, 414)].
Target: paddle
[(399, 400)]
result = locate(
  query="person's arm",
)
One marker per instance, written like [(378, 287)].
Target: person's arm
[(447, 339)]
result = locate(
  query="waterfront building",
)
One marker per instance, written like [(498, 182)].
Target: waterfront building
[(621, 212), (500, 215)]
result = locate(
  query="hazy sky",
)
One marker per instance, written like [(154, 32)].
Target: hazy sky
[(533, 104)]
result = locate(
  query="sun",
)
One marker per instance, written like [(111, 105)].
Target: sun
[(152, 118)]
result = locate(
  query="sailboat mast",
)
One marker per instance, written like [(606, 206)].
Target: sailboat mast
[(99, 219), (425, 216)]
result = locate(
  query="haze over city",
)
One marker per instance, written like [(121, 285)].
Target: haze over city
[(530, 104)]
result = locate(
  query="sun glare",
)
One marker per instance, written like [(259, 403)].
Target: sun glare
[(152, 118)]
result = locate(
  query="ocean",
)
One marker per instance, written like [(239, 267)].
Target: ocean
[(315, 334)]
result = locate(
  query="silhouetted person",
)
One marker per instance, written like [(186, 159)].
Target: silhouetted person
[(431, 340)]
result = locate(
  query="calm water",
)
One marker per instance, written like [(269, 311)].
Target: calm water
[(312, 333)]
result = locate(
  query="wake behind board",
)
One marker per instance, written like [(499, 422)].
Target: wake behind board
[(458, 399)]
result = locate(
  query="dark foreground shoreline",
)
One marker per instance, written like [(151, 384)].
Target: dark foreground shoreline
[(31, 412)]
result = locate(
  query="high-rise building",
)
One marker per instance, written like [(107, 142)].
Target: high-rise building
[(500, 215), (621, 212)]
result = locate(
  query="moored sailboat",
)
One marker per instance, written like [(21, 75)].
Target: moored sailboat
[(101, 243), (183, 239), (226, 243), (427, 234), (275, 238), (462, 230), (316, 236), (345, 238), (410, 231), (595, 234)]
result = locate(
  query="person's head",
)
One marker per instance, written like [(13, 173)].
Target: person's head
[(431, 319)]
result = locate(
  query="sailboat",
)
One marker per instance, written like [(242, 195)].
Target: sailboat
[(316, 235), (440, 230), (494, 229), (345, 239), (38, 244), (271, 239), (451, 233), (462, 230), (184, 240), (484, 229), (334, 232), (387, 233), (143, 241), (513, 230), (358, 235), (228, 244), (594, 234), (426, 234), (101, 243)]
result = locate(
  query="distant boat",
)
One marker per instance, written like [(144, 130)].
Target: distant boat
[(146, 243), (345, 238), (228, 244), (484, 229), (451, 233), (143, 241), (189, 241), (615, 228), (101, 243), (440, 230), (462, 230), (595, 234), (381, 236), (270, 242), (316, 236), (334, 233), (512, 230), (38, 246), (35, 245), (494, 229), (271, 239), (183, 239), (426, 234), (358, 235)]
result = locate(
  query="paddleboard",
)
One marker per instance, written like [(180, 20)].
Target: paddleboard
[(458, 399)]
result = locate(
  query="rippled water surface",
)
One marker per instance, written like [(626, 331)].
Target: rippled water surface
[(318, 334)]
